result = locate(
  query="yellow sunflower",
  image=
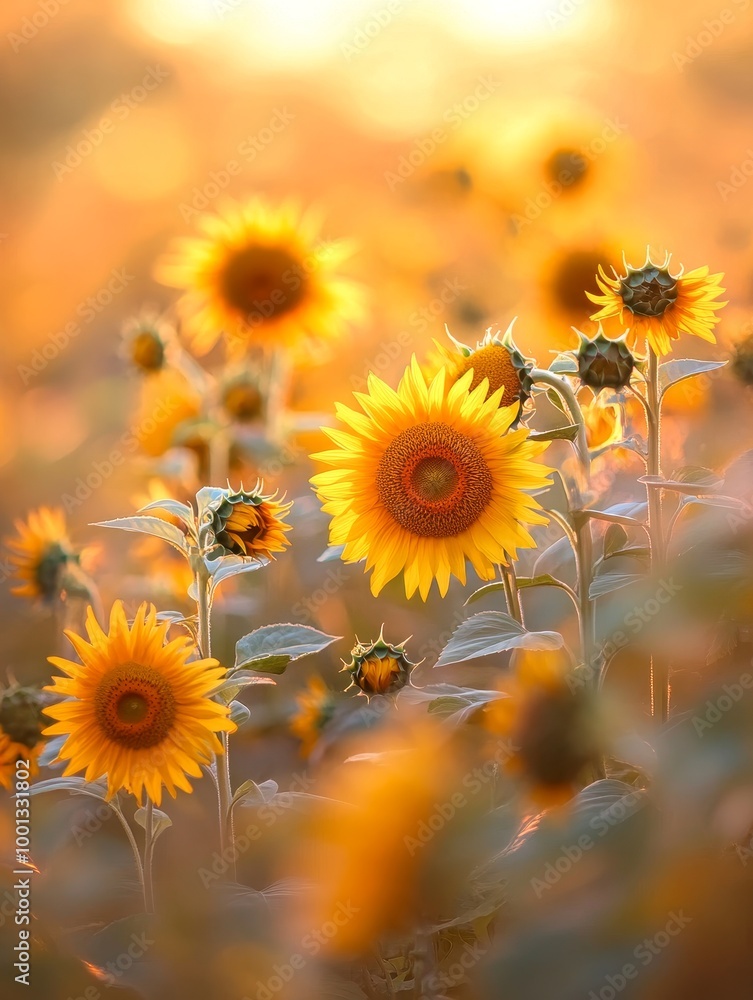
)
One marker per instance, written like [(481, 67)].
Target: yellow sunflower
[(494, 358), (146, 340), (40, 552), (135, 708), (315, 705), (547, 724), (660, 305), (427, 478), (604, 424), (263, 276)]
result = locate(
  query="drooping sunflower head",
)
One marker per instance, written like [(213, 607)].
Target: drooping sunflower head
[(378, 667), (604, 363), (40, 552), (548, 722), (315, 707), (262, 275), (655, 304), (136, 708), (426, 478), (21, 724), (495, 358), (245, 523), (242, 399), (145, 342)]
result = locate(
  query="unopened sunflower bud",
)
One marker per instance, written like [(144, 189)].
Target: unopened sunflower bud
[(21, 715), (379, 667), (604, 363), (242, 399), (246, 524)]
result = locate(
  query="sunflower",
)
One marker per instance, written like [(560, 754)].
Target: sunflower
[(40, 553), (11, 751), (547, 724), (135, 708), (315, 706), (604, 424), (660, 305), (168, 414), (263, 276), (378, 667), (426, 478), (247, 524), (495, 358), (146, 340)]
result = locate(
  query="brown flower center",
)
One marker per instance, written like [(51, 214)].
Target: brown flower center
[(147, 351), (262, 282), (567, 167), (135, 706), (573, 276), (433, 481), (648, 292)]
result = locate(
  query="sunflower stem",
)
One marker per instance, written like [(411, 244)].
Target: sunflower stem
[(566, 393), (659, 671), (148, 855)]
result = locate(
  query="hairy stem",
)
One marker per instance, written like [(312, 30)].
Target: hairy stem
[(148, 854), (659, 669)]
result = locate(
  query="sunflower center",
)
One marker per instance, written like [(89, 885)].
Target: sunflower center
[(148, 351), (433, 481), (573, 275), (262, 282), (135, 706), (50, 567), (494, 363), (567, 167), (649, 292)]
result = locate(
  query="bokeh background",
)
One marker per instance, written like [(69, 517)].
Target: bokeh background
[(436, 136)]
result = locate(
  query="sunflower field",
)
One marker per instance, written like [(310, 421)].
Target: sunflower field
[(376, 435)]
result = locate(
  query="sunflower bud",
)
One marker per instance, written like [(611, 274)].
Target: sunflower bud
[(21, 715), (604, 363), (379, 667), (145, 342), (242, 399), (246, 524)]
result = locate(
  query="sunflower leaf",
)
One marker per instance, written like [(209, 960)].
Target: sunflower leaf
[(564, 364), (493, 632), (630, 513), (160, 821), (615, 538), (149, 526), (567, 433), (331, 553), (677, 370), (174, 507), (608, 582), (272, 647), (73, 785), (227, 566), (251, 794)]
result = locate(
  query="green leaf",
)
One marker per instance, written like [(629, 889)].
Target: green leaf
[(74, 786), (174, 507), (679, 369), (458, 708), (557, 561), (632, 512), (149, 526), (160, 821), (272, 647), (331, 553), (230, 688), (567, 433), (251, 794), (555, 400), (705, 484), (523, 582), (227, 566), (606, 583), (564, 364), (239, 713), (615, 538), (493, 632)]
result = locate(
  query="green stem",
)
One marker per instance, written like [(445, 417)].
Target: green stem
[(221, 766), (512, 594), (659, 670), (148, 854), (566, 393)]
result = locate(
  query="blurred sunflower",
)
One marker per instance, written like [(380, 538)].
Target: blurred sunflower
[(315, 706), (660, 305), (10, 753), (378, 667), (248, 524), (604, 425), (263, 276), (547, 723), (495, 358), (135, 708), (20, 732), (146, 340), (166, 566), (40, 553), (427, 478), (167, 414)]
